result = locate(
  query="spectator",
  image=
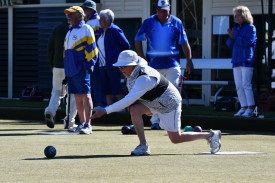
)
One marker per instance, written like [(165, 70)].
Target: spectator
[(151, 93), (110, 43), (55, 55), (92, 19), (164, 33), (242, 40), (80, 55)]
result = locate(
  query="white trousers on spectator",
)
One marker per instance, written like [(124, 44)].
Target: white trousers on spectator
[(173, 75), (59, 92), (243, 77)]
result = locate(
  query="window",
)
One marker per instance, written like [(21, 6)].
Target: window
[(128, 25), (190, 13)]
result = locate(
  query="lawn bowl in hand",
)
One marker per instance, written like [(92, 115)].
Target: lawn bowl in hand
[(50, 152)]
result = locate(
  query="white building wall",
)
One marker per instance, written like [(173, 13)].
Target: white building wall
[(126, 8)]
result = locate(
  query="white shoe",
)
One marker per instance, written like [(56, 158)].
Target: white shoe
[(240, 112), (214, 141), (248, 113), (87, 129), (141, 150), (76, 129)]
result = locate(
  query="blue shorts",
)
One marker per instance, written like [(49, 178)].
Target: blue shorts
[(80, 83), (110, 80)]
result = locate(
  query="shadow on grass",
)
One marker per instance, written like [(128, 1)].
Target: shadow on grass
[(22, 123), (16, 134), (102, 156), (12, 130)]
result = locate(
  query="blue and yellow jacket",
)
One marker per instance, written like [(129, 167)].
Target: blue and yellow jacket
[(94, 23), (80, 50), (243, 45)]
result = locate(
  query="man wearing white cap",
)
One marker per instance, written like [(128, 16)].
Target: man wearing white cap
[(164, 34), (151, 93), (80, 55)]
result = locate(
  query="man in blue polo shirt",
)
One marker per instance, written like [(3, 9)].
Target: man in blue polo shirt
[(164, 34)]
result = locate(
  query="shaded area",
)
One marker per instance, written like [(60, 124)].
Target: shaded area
[(101, 156), (206, 117)]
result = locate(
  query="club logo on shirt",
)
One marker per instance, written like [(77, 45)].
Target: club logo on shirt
[(74, 37), (153, 30)]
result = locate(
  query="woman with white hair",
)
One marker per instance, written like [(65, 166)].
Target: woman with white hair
[(110, 43), (242, 40)]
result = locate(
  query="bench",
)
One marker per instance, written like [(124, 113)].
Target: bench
[(206, 65), (196, 82)]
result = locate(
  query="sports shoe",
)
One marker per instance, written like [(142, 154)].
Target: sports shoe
[(214, 141), (240, 112), (141, 150), (76, 129), (248, 113), (49, 118), (155, 126), (87, 129)]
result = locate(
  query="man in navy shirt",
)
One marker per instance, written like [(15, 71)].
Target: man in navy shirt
[(164, 33)]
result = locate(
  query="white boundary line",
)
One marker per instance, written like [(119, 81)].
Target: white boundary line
[(57, 133), (233, 153)]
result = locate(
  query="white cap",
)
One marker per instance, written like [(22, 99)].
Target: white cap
[(127, 58), (163, 5)]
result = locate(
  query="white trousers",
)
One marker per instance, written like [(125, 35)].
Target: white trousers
[(172, 74), (243, 77), (59, 92)]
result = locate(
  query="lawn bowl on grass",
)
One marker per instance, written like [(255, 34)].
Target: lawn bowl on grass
[(132, 130), (50, 152), (125, 130), (188, 129), (197, 129)]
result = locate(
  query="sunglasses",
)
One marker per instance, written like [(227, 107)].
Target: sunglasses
[(122, 67)]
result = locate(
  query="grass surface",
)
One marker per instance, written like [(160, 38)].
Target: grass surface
[(104, 156)]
